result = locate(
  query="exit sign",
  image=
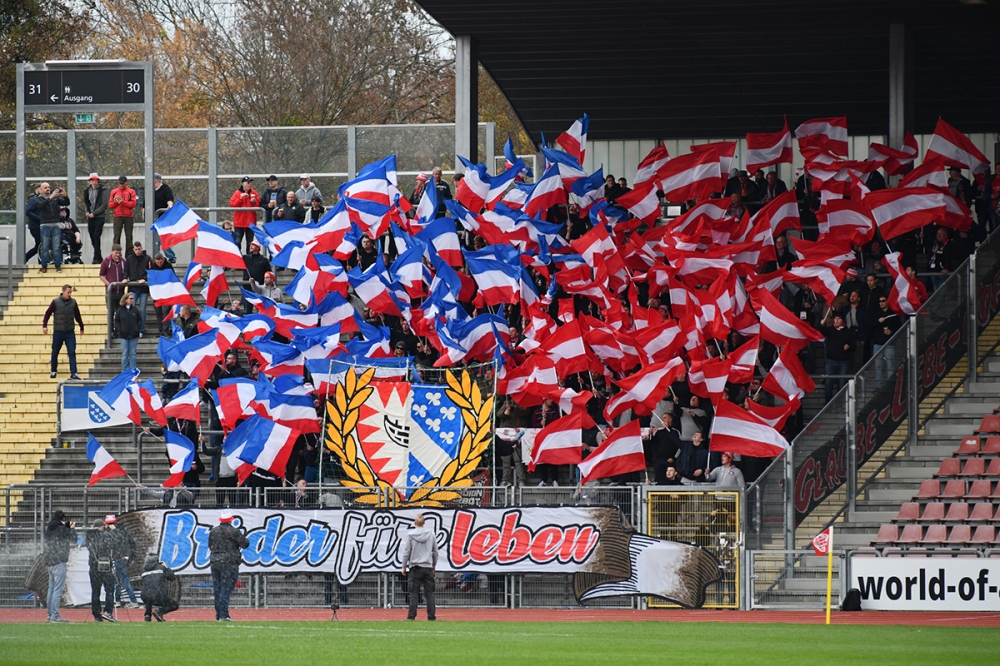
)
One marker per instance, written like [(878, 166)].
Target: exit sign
[(84, 118)]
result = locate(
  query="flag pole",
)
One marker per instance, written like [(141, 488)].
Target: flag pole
[(829, 574)]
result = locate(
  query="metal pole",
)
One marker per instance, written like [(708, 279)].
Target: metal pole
[(852, 445), (491, 147), (352, 152), (138, 453), (59, 398), (20, 145), (914, 370), (213, 174), (149, 123), (789, 506), (71, 171), (973, 334)]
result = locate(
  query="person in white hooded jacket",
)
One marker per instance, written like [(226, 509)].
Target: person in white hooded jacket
[(420, 556)]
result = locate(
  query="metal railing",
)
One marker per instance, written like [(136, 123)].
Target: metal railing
[(10, 264)]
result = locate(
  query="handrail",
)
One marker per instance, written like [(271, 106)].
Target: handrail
[(10, 263)]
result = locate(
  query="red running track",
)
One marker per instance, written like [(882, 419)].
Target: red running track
[(10, 615)]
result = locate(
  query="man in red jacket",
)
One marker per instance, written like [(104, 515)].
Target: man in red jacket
[(122, 201), (245, 197)]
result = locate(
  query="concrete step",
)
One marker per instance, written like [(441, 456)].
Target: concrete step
[(984, 388), (886, 495), (971, 407), (866, 516), (946, 425), (910, 473)]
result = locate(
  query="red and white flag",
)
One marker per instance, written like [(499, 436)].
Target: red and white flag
[(822, 543), (787, 378), (727, 150), (931, 173), (781, 212), (848, 218), (899, 210), (744, 360), (956, 149), (824, 133), (774, 416), (896, 161), (905, 294), (559, 443), (574, 140), (825, 279), (691, 176), (738, 431), (708, 378), (640, 392), (767, 148), (650, 166), (778, 325), (567, 350), (620, 453), (642, 202)]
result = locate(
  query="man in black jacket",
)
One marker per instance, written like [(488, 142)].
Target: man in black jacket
[(155, 591), (137, 266), (95, 206), (840, 344), (48, 207), (100, 546), (257, 264), (60, 535), (884, 322), (65, 310), (225, 545), (163, 200)]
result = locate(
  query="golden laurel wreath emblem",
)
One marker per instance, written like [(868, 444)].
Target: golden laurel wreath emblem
[(344, 410)]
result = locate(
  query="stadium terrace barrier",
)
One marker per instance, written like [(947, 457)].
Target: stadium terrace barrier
[(708, 517), (10, 263)]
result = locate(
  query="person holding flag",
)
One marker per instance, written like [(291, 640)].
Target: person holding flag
[(725, 475)]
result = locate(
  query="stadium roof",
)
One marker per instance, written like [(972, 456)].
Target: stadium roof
[(720, 68)]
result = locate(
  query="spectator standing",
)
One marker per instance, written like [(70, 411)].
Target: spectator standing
[(64, 310), (291, 210), (443, 191), (155, 576), (772, 187), (225, 544), (307, 190), (101, 564), (187, 321), (870, 295), (256, 264), (127, 323), (960, 186), (137, 267), (268, 289), (272, 197), (60, 535), (244, 197), (856, 320), (163, 200), (884, 322), (743, 186), (31, 213), (50, 248), (161, 264), (418, 191), (943, 258), (95, 206), (725, 475), (113, 270), (839, 346), (420, 556), (123, 550), (316, 210), (122, 202)]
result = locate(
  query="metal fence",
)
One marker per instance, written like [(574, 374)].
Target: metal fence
[(793, 579), (712, 519)]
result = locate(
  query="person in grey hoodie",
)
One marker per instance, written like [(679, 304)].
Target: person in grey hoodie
[(420, 556)]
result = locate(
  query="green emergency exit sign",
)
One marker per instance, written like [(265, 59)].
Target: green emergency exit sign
[(84, 118)]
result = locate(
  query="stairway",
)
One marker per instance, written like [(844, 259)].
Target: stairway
[(27, 395)]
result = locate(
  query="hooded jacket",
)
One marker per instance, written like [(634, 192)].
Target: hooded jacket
[(420, 548), (59, 537), (155, 575), (225, 545)]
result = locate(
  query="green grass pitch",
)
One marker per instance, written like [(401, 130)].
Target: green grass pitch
[(482, 643)]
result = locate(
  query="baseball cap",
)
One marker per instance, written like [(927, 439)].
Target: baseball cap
[(110, 519), (93, 176), (157, 176), (269, 273), (122, 179), (253, 243), (422, 176), (246, 179), (226, 517), (303, 176), (272, 177)]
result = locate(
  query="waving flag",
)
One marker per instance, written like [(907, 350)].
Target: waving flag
[(765, 149), (574, 140), (215, 285), (824, 133), (176, 225), (738, 431), (371, 184), (900, 210), (707, 378), (427, 209), (846, 217), (787, 379), (180, 452), (642, 202), (105, 466), (510, 159), (726, 150), (145, 394), (774, 416), (440, 234), (589, 190), (192, 275), (278, 359), (777, 325), (319, 342), (620, 453), (823, 278), (167, 290), (216, 248), (265, 444), (498, 281), (288, 403), (955, 149), (545, 193), (234, 400), (558, 443), (186, 403), (650, 166), (906, 295), (896, 162), (692, 176), (474, 188), (197, 356), (119, 397), (640, 392)]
